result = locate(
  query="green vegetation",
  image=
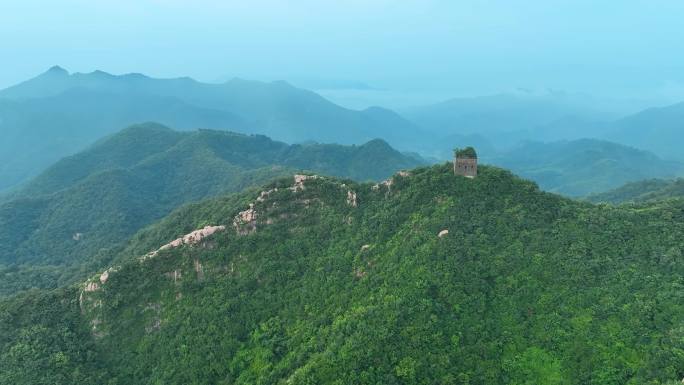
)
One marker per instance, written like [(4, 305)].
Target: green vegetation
[(77, 213), (56, 114), (642, 191), (582, 167), (467, 152), (45, 341), (526, 288)]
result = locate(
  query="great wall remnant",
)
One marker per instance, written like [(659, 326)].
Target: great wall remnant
[(465, 162)]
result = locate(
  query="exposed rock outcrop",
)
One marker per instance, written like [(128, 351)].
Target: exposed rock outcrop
[(199, 269), (176, 275), (90, 301), (189, 239), (91, 287), (299, 181), (245, 221), (390, 181), (265, 194), (351, 198), (104, 277)]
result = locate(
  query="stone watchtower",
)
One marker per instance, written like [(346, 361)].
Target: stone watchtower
[(465, 162)]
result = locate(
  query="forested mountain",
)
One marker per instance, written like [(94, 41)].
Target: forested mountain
[(429, 278), (585, 166), (38, 132), (642, 191), (82, 207), (57, 114)]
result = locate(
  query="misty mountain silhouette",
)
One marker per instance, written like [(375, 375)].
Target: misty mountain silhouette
[(57, 113)]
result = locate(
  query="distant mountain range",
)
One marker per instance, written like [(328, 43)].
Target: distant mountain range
[(502, 121), (660, 130), (210, 256), (585, 166), (83, 206), (57, 113)]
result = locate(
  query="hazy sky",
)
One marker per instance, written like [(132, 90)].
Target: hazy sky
[(623, 48)]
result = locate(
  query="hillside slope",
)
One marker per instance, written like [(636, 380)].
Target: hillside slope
[(319, 281), (86, 204), (585, 166), (57, 113), (642, 191), (38, 132)]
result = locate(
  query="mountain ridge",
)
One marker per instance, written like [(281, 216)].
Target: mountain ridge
[(648, 190), (57, 113), (658, 129), (306, 285), (584, 166), (83, 205)]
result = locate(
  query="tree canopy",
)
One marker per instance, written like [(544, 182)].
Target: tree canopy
[(525, 288), (467, 152)]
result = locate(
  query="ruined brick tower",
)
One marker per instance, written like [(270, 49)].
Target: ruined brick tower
[(465, 162)]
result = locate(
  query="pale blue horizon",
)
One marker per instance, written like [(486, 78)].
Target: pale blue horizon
[(617, 49)]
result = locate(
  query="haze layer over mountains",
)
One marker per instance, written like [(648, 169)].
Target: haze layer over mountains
[(80, 176), (57, 114), (363, 192)]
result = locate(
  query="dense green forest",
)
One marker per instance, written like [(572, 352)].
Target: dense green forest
[(430, 278), (72, 218), (642, 191)]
